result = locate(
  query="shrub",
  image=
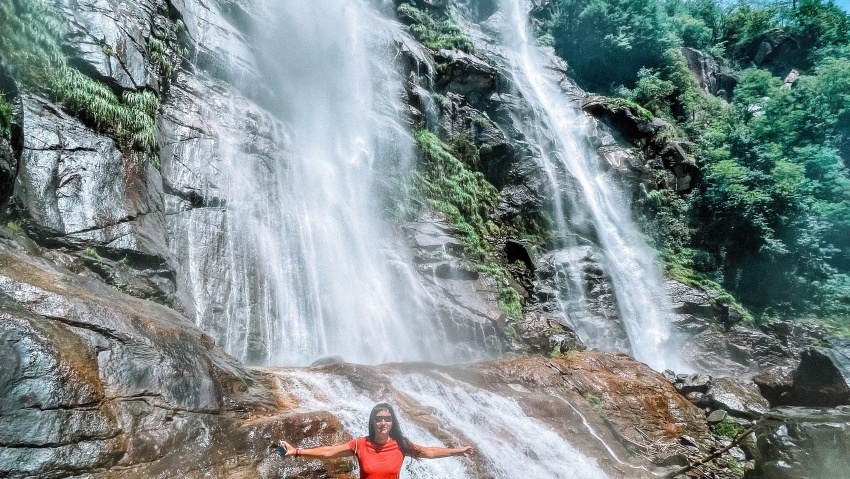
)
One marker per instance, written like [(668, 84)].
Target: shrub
[(31, 32), (436, 34)]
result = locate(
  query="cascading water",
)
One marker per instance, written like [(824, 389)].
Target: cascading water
[(508, 443), (596, 207), (311, 267)]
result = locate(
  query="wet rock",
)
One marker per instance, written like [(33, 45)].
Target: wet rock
[(801, 443), (94, 379), (465, 74), (695, 397), (571, 280), (466, 301), (716, 416), (776, 384), (738, 397), (8, 169), (109, 38), (688, 383), (623, 118), (822, 379), (545, 335)]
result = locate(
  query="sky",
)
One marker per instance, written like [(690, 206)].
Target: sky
[(845, 4)]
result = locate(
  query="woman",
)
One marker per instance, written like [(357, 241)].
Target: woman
[(382, 453)]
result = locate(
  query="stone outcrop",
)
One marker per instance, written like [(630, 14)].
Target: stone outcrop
[(801, 443), (709, 74)]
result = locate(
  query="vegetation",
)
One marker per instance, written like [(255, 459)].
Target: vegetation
[(5, 118), (31, 32), (769, 220), (436, 34), (727, 428), (447, 183)]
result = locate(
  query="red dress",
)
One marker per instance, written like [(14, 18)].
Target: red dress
[(377, 461)]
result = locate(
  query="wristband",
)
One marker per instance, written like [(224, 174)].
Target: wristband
[(298, 452)]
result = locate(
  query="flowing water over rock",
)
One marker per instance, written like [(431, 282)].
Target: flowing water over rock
[(588, 205), (311, 268)]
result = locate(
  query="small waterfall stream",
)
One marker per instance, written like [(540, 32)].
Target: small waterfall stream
[(596, 207)]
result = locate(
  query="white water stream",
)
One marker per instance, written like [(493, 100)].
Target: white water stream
[(509, 443), (560, 129)]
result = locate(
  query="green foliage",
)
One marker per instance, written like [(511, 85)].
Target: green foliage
[(31, 32), (92, 253), (5, 118), (156, 50), (509, 300), (436, 34), (451, 187), (606, 42), (770, 219), (448, 184), (727, 428), (14, 226)]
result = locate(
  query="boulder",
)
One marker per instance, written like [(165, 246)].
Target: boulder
[(94, 379), (623, 118), (713, 78), (802, 443), (776, 51), (822, 379), (688, 383), (776, 384), (465, 74), (739, 398)]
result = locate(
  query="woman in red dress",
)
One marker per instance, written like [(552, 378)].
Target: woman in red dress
[(380, 454)]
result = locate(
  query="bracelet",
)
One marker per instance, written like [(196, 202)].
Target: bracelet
[(297, 452)]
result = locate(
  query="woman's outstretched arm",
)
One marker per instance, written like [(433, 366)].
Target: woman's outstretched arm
[(438, 452), (321, 452)]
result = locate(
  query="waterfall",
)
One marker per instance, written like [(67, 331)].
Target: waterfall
[(310, 268), (595, 205)]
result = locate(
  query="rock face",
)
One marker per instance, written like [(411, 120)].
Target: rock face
[(803, 443), (99, 383), (710, 76), (822, 379), (95, 379)]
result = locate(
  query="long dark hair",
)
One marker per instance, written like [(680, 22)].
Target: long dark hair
[(406, 447)]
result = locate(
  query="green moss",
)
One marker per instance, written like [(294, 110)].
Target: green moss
[(595, 403), (623, 103), (5, 118), (679, 266), (447, 184), (15, 227), (436, 34), (31, 33), (91, 252), (727, 428)]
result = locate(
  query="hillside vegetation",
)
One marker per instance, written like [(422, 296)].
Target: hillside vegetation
[(770, 217)]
